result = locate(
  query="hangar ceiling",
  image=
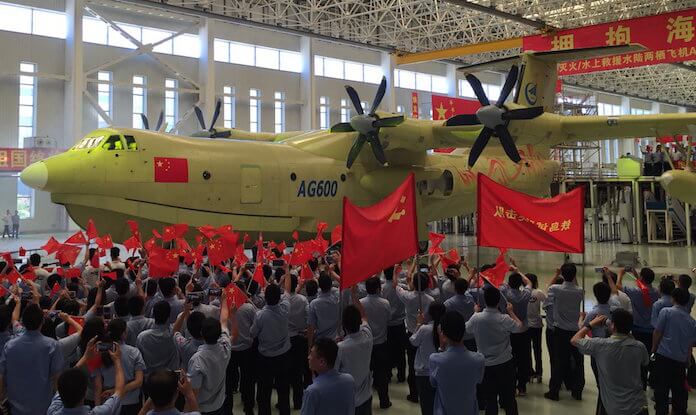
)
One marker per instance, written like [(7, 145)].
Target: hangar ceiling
[(422, 25)]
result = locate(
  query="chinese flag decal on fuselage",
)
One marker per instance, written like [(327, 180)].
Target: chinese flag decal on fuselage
[(171, 170)]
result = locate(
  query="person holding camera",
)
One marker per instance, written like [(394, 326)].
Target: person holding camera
[(163, 388)]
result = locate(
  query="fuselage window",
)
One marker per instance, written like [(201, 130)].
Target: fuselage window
[(131, 144), (113, 143)]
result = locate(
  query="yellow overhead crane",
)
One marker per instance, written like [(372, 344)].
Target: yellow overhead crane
[(495, 45)]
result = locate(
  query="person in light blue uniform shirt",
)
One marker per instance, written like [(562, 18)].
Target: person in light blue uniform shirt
[(331, 392), (666, 289), (518, 291), (322, 316), (454, 393), (168, 287), (243, 355), (157, 344), (164, 387), (684, 281), (378, 312), (396, 331), (463, 303), (427, 341), (137, 323), (30, 362), (674, 335), (602, 294), (188, 344)]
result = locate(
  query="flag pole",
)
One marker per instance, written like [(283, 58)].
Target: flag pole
[(583, 280)]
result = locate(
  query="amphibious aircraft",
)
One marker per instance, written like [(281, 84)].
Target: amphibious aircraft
[(278, 183)]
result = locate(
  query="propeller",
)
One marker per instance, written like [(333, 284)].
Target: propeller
[(367, 125), (210, 132), (146, 122), (495, 118)]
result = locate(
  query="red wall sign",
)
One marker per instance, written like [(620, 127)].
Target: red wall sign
[(16, 159)]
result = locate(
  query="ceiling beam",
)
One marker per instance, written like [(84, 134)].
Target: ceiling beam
[(450, 53), (537, 24)]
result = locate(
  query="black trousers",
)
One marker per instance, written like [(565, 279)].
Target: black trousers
[(568, 363), (521, 357), (499, 385), (535, 339), (243, 363), (644, 337), (274, 371), (217, 412), (132, 409), (380, 366), (365, 408), (299, 367), (411, 378), (396, 341), (595, 371), (426, 394), (669, 375), (470, 344)]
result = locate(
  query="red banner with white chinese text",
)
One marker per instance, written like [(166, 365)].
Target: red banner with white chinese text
[(414, 105), (16, 159), (511, 219), (668, 37)]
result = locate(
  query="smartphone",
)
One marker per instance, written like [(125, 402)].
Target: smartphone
[(27, 295), (196, 296), (179, 373), (53, 314), (278, 263), (599, 270), (105, 346), (107, 313), (73, 294), (329, 259), (215, 292)]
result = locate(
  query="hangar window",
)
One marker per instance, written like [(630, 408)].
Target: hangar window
[(139, 100), (324, 109), (104, 96), (420, 81), (348, 70), (279, 111), (228, 106), (27, 102), (25, 200), (345, 110), (254, 110), (30, 20), (171, 102), (259, 56)]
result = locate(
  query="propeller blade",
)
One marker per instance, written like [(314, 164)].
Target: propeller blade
[(377, 150), (479, 145), (343, 127), (216, 114), (523, 113), (146, 124), (355, 150), (510, 82), (199, 115), (462, 119), (388, 121), (160, 119), (380, 94), (478, 89), (355, 99), (508, 143)]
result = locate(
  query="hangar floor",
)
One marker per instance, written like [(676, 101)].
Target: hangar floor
[(663, 259)]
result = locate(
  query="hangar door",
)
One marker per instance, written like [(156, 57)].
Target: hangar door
[(251, 191)]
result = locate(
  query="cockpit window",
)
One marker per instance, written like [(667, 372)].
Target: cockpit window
[(88, 142), (131, 144), (113, 143)]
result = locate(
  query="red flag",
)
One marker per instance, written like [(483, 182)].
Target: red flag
[(306, 272), (51, 246), (207, 231), (12, 276), (133, 225), (510, 219), (150, 244), (77, 238), (168, 233), (450, 258), (8, 258), (240, 257), (336, 234), (496, 275), (216, 252), (445, 107), (163, 262), (67, 254), (91, 230), (94, 363), (78, 320), (246, 238), (235, 296), (171, 170), (94, 260), (281, 247), (183, 245), (132, 243), (321, 227), (29, 274), (435, 241), (295, 235), (109, 275), (3, 291), (105, 242), (156, 234), (180, 229), (301, 253), (22, 251), (59, 271), (73, 273), (55, 289), (369, 242), (258, 275)]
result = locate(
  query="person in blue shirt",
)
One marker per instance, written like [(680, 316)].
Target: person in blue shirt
[(427, 340), (684, 282), (331, 392), (454, 393), (163, 387), (72, 387), (602, 293), (674, 335), (666, 289), (518, 292)]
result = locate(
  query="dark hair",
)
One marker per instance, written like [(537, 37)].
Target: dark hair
[(311, 287), (293, 282), (70, 306), (211, 330), (121, 307), (35, 260), (351, 319), (272, 294), (534, 280), (389, 273), (515, 280), (326, 349), (680, 296), (136, 304), (48, 328), (5, 317), (183, 280), (151, 287), (160, 312), (602, 292), (436, 310), (114, 252), (647, 275), (72, 387), (194, 324), (325, 282), (162, 387), (52, 280), (421, 281), (167, 286), (453, 325), (116, 328), (94, 327), (568, 271), (372, 285), (32, 317), (267, 271), (491, 296), (460, 286), (684, 281), (622, 320), (666, 286)]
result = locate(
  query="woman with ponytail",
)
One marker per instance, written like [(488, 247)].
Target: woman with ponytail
[(427, 341)]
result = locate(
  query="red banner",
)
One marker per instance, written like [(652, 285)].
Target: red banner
[(510, 219), (414, 105), (445, 107), (378, 236), (669, 37), (16, 159)]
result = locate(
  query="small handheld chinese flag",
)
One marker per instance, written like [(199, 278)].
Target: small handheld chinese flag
[(378, 236), (496, 275), (258, 276), (511, 219), (435, 241), (77, 238), (109, 275), (51, 245), (78, 320), (336, 234), (91, 230), (22, 251), (132, 243), (235, 296), (13, 276)]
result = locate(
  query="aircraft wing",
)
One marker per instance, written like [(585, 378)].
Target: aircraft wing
[(589, 128)]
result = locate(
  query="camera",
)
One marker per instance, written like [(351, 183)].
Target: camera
[(329, 260), (27, 295), (73, 294), (53, 314), (106, 346), (214, 292), (107, 312), (196, 296), (599, 270)]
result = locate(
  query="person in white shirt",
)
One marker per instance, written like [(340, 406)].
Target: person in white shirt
[(535, 325)]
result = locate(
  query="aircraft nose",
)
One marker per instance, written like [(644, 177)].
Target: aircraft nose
[(35, 176)]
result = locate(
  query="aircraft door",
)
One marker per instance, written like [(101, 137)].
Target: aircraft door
[(251, 190)]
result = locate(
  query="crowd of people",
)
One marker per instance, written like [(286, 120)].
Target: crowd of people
[(10, 222), (114, 340)]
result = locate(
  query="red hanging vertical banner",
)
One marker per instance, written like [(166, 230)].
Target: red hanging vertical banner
[(414, 105)]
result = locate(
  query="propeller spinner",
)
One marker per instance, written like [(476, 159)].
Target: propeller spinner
[(494, 118), (367, 125)]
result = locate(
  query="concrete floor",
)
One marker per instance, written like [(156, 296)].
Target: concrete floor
[(663, 259)]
